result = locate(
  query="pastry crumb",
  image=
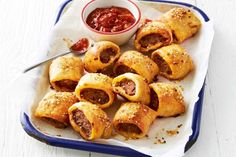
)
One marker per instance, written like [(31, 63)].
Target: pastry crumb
[(161, 141), (180, 125), (172, 132)]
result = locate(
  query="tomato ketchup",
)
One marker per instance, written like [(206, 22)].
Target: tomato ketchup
[(112, 19)]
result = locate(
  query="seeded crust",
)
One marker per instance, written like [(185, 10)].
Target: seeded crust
[(182, 22), (139, 63), (64, 69), (54, 107), (100, 123), (150, 28), (135, 114), (94, 59), (170, 99), (142, 91), (178, 61), (96, 81)]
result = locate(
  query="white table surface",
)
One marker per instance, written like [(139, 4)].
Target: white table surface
[(24, 26)]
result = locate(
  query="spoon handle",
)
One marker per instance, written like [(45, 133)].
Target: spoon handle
[(45, 61)]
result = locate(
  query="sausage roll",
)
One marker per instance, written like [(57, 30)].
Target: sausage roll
[(54, 108), (90, 121), (182, 22), (65, 72), (135, 62), (166, 99), (133, 120), (95, 88), (101, 56), (133, 87), (173, 61), (152, 35)]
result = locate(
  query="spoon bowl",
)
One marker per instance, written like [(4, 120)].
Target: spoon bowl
[(78, 48)]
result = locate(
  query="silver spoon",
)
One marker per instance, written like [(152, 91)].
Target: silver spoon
[(77, 52)]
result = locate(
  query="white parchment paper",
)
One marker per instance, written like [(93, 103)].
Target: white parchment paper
[(70, 27)]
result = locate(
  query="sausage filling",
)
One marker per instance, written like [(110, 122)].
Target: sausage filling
[(153, 39), (95, 96), (83, 123), (154, 104), (121, 69), (175, 40), (66, 85), (128, 128), (107, 54), (162, 64), (54, 122), (128, 86)]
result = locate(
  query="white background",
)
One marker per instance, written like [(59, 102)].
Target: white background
[(24, 26)]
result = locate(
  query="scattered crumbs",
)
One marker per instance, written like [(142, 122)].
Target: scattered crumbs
[(58, 135), (68, 42), (172, 132), (161, 140), (180, 125), (146, 136), (175, 131)]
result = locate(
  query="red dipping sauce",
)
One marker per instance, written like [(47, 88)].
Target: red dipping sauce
[(80, 46), (113, 19)]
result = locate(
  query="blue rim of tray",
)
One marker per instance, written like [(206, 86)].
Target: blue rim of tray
[(111, 149)]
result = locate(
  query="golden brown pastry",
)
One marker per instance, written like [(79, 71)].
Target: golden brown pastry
[(95, 88), (152, 35), (65, 72), (183, 23), (54, 108), (135, 62), (90, 121), (102, 55), (166, 99), (173, 61), (133, 87), (133, 120)]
